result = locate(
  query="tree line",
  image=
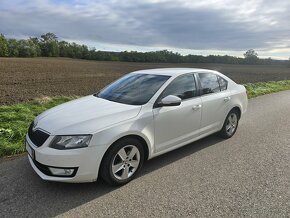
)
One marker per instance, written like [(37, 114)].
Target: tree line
[(48, 45)]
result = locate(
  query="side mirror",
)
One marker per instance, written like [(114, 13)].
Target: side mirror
[(170, 100)]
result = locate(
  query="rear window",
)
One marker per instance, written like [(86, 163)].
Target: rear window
[(209, 83), (223, 83)]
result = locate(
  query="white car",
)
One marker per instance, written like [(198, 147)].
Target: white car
[(140, 116)]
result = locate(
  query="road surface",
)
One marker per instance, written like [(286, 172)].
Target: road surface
[(247, 175)]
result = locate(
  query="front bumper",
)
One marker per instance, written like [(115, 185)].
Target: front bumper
[(85, 162)]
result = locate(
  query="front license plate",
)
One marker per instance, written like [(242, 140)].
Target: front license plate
[(30, 150)]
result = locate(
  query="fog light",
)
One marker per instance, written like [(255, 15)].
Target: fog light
[(61, 172)]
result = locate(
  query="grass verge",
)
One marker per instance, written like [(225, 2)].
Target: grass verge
[(262, 88), (15, 119)]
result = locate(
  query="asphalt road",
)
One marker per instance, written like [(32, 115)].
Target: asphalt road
[(247, 175)]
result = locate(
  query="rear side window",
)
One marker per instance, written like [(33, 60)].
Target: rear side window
[(183, 87), (209, 83), (223, 83)]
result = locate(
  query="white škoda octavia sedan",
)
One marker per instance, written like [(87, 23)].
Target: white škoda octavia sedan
[(140, 116)]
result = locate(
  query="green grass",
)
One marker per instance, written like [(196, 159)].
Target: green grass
[(262, 88), (15, 119)]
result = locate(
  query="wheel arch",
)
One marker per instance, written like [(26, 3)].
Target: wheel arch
[(238, 109), (139, 138), (135, 136)]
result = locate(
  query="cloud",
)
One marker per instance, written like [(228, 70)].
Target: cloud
[(200, 25)]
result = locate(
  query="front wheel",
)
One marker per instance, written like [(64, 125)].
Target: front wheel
[(122, 161), (230, 125)]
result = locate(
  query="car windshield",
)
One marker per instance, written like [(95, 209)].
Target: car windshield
[(133, 89)]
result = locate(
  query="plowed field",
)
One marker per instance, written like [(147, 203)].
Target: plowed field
[(23, 79)]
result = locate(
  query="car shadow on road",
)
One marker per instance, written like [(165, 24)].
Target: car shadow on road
[(25, 194)]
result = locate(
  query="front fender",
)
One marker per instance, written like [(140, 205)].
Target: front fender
[(143, 126)]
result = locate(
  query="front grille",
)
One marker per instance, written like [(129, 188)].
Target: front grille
[(38, 137)]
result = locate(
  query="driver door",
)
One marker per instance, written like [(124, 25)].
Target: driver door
[(178, 124)]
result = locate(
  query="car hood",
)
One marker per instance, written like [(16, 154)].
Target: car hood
[(84, 116)]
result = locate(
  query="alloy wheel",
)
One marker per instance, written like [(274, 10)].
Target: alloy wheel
[(126, 162), (231, 123)]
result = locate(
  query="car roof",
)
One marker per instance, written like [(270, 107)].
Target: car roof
[(172, 71)]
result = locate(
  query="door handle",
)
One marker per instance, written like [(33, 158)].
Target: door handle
[(227, 98), (196, 107)]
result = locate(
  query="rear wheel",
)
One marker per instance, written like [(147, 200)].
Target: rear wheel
[(122, 161), (230, 125)]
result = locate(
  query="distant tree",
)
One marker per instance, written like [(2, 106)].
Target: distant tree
[(251, 53), (268, 60), (26, 49), (3, 46), (85, 52), (23, 48), (49, 45), (289, 62), (34, 43), (63, 48), (251, 57), (49, 37), (13, 47)]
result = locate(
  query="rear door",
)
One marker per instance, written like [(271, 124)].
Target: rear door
[(215, 99)]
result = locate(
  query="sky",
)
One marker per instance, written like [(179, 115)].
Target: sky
[(185, 26)]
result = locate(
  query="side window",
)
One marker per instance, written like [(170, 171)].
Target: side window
[(183, 86), (223, 83), (209, 83)]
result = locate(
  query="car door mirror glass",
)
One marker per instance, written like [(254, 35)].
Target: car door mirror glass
[(170, 100)]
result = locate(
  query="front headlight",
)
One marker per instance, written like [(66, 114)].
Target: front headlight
[(70, 142)]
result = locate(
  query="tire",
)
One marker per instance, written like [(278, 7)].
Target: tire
[(230, 124), (119, 165)]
